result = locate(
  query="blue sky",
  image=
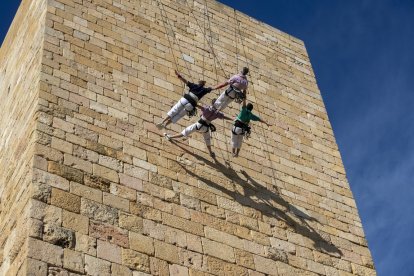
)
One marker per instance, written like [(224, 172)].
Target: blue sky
[(362, 54)]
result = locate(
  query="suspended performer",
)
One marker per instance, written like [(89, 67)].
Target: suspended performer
[(241, 127), (187, 104), (236, 91), (204, 125)]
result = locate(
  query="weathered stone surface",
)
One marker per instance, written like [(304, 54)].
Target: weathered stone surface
[(166, 252), (73, 260), (135, 260), (86, 192), (66, 200), (35, 267), (141, 243), (130, 182), (158, 267), (59, 236), (57, 271), (244, 258), (75, 222), (44, 251), (116, 202), (108, 251), (86, 244), (43, 177), (131, 222), (121, 270), (35, 228), (264, 265), (178, 270), (95, 266), (108, 232), (41, 191), (97, 182), (66, 172), (220, 267), (218, 250), (105, 173), (277, 255), (100, 212)]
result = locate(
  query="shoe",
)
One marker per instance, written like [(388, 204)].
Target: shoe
[(235, 154), (160, 126), (167, 136)]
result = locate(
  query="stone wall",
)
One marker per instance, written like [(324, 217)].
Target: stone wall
[(111, 196), (20, 65)]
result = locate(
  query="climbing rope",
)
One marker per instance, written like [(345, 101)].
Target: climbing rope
[(210, 36), (165, 20), (204, 41), (235, 38), (204, 33), (254, 94)]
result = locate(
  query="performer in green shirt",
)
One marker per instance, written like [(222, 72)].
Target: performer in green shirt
[(241, 126)]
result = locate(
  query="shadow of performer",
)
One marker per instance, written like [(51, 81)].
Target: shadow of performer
[(268, 202)]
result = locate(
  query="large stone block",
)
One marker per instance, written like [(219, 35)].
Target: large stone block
[(218, 250), (66, 172), (131, 222), (75, 222), (108, 232), (66, 200), (59, 236), (109, 251), (73, 260), (97, 182), (99, 212), (135, 260), (141, 243), (44, 251), (95, 266)]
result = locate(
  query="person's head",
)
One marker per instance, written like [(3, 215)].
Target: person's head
[(245, 71), (213, 101), (249, 106), (202, 82)]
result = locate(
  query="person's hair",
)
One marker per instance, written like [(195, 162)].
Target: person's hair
[(249, 106), (202, 82), (213, 101), (245, 71)]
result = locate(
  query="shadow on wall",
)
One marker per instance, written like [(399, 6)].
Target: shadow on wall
[(267, 202)]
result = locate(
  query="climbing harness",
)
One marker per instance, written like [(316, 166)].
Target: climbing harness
[(246, 129), (210, 126), (190, 98), (192, 112), (238, 95)]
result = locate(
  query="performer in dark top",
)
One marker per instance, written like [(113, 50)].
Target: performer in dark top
[(187, 104)]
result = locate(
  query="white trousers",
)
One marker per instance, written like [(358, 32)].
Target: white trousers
[(237, 139), (200, 128), (223, 101), (179, 110)]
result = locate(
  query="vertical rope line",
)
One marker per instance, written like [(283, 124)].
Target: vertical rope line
[(205, 38), (235, 38), (166, 19), (160, 5), (216, 79), (211, 47), (254, 94)]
